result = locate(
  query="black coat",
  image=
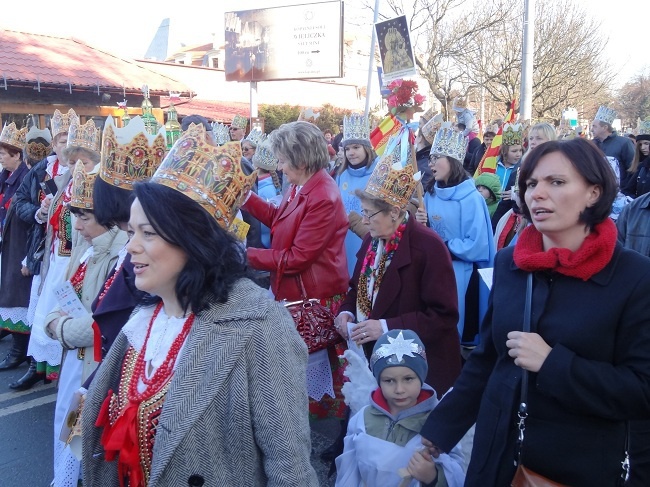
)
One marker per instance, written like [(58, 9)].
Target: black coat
[(27, 201), (638, 183), (15, 287), (596, 377), (472, 147)]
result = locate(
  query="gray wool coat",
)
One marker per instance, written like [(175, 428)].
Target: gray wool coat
[(236, 412)]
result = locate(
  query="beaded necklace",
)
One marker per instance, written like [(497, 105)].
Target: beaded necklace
[(369, 272), (162, 373), (77, 280)]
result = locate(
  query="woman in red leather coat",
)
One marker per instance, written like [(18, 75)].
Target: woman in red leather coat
[(307, 241)]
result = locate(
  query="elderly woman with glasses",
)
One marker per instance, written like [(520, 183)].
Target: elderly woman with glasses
[(403, 277)]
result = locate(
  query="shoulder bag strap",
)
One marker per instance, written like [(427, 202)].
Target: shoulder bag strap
[(523, 398)]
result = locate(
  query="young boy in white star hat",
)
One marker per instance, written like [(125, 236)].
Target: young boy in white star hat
[(383, 445)]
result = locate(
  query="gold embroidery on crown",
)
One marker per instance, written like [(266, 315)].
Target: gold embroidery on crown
[(86, 136), (61, 123), (13, 137), (392, 183), (513, 134), (124, 164), (211, 176), (82, 187)]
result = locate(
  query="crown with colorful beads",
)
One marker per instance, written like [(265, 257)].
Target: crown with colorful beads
[(221, 133), (36, 150), (82, 187), (239, 122), (605, 115), (86, 136), (449, 143), (356, 130), (513, 134), (255, 137), (264, 158)]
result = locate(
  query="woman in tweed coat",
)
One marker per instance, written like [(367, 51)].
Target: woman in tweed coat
[(224, 403)]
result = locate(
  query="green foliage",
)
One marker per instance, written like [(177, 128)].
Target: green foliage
[(330, 117), (276, 115)]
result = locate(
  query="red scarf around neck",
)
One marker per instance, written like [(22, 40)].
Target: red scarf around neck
[(593, 255)]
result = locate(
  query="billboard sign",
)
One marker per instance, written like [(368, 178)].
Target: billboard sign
[(290, 42)]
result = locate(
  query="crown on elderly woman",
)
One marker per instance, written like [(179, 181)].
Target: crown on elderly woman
[(82, 187), (130, 153), (60, 123), (605, 115), (255, 137), (264, 158), (391, 180), (13, 137), (449, 143), (86, 136), (356, 128), (239, 122), (36, 150), (513, 134), (211, 176)]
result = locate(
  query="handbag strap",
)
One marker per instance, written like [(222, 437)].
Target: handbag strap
[(280, 274), (522, 413)]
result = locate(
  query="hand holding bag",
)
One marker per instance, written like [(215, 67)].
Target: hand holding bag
[(314, 322)]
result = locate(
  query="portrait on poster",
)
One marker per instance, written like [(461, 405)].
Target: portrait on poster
[(395, 48)]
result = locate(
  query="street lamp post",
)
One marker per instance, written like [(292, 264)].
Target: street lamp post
[(526, 96)]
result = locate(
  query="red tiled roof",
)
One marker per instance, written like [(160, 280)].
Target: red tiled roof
[(216, 111), (27, 57)]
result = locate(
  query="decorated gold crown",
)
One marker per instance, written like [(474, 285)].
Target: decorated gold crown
[(36, 150), (239, 122), (264, 158), (392, 181), (513, 134), (211, 176), (130, 154), (82, 187), (13, 137), (449, 143), (605, 115), (356, 130), (86, 136), (61, 123), (255, 137), (430, 128)]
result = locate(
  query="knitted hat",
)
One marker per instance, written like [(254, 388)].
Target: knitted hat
[(491, 181), (399, 348)]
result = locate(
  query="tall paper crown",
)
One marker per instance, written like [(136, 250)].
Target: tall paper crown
[(211, 176), (264, 158), (13, 137), (513, 134), (130, 154), (449, 143), (82, 187), (391, 182), (86, 136), (605, 115), (221, 133), (356, 129), (430, 128), (61, 123), (644, 127), (239, 122), (255, 137), (37, 151), (426, 116)]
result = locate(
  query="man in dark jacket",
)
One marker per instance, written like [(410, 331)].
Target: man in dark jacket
[(472, 146), (620, 148), (488, 136)]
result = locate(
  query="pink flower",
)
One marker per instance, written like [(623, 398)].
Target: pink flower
[(392, 101), (392, 85), (419, 99)]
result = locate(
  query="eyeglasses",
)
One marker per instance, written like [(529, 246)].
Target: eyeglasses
[(365, 215), (246, 149), (434, 158)]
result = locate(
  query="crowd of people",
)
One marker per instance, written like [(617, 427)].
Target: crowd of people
[(152, 284)]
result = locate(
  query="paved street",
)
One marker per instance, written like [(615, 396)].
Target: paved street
[(26, 432)]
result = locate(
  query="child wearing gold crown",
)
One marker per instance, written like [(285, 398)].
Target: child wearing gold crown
[(383, 446)]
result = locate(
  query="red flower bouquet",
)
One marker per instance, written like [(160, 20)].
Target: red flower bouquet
[(403, 97)]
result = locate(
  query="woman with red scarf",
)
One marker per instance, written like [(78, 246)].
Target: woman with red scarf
[(588, 350)]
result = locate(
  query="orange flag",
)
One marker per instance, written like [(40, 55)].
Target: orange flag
[(489, 161)]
